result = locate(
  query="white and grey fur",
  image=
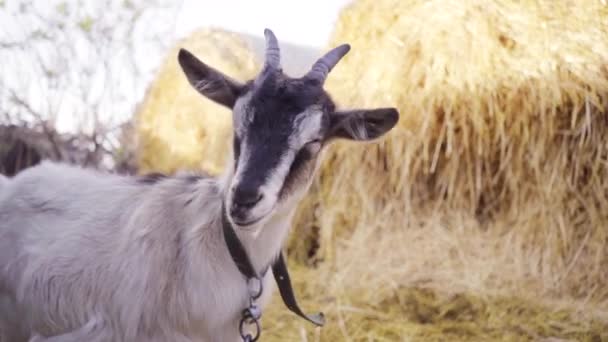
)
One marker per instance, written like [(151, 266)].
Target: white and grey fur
[(88, 256)]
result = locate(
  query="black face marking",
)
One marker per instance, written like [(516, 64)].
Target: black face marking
[(273, 108), (280, 96), (151, 178), (265, 154)]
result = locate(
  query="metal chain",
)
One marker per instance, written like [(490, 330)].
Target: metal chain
[(252, 314)]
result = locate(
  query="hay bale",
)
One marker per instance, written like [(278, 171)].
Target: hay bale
[(177, 128), (503, 110)]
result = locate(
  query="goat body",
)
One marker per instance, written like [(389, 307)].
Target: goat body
[(145, 260), (86, 256)]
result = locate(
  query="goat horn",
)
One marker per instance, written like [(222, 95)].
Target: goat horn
[(323, 66), (273, 54)]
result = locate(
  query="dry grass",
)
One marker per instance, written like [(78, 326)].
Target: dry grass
[(484, 215), (435, 280)]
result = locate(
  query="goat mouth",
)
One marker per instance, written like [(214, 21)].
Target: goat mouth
[(247, 224)]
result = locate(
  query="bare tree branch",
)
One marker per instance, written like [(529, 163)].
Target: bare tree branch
[(72, 66), (43, 124)]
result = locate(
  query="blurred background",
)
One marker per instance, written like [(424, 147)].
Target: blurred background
[(80, 68), (482, 217)]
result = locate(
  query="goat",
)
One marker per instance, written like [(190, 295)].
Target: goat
[(88, 256)]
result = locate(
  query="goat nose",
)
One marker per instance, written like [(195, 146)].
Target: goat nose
[(246, 198)]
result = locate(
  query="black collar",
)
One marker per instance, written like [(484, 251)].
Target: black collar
[(279, 269)]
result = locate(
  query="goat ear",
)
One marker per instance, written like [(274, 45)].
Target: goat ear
[(209, 82), (362, 124)]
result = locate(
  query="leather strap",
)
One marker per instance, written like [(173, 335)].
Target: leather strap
[(279, 269), (281, 275)]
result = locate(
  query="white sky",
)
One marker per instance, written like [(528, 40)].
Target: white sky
[(304, 22), (307, 23)]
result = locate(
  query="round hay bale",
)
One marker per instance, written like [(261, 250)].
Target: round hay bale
[(178, 128), (503, 117)]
